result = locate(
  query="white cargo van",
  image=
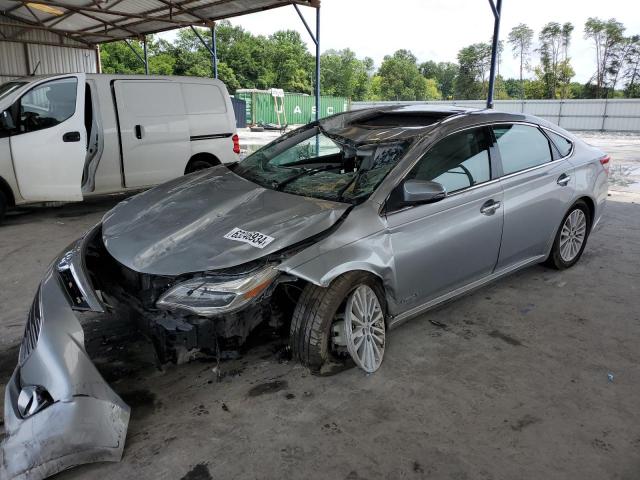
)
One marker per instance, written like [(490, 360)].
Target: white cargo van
[(66, 137)]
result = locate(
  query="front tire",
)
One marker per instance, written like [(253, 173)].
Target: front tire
[(571, 238), (311, 334)]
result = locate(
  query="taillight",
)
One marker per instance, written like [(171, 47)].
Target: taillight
[(604, 161), (236, 143)]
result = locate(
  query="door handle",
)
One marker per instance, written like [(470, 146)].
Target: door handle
[(489, 207), (138, 129), (71, 137), (564, 179)]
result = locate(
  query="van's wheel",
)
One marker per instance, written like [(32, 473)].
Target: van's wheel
[(346, 319), (3, 206), (571, 237), (200, 164)]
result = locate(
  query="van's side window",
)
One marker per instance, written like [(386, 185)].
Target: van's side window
[(457, 162), (48, 105), (521, 147)]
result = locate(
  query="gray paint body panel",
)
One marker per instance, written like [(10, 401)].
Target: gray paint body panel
[(87, 421), (179, 227)]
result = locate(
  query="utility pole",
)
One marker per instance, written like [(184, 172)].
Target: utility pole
[(497, 10)]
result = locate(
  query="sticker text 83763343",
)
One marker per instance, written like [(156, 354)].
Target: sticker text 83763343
[(255, 239)]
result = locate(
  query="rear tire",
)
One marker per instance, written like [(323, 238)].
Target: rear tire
[(311, 326), (197, 165), (571, 238)]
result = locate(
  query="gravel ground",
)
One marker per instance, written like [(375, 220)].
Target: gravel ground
[(624, 149)]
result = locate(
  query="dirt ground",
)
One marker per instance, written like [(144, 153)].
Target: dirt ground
[(536, 376)]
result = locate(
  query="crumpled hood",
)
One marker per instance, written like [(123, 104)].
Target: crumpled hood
[(180, 226)]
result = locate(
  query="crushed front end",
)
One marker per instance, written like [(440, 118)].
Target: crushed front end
[(59, 411), (187, 314)]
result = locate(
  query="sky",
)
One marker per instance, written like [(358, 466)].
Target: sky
[(438, 29)]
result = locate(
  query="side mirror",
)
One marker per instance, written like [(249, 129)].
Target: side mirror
[(422, 191), (6, 121)]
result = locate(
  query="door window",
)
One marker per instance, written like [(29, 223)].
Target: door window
[(521, 147), (459, 161), (48, 105), (151, 98), (562, 144)]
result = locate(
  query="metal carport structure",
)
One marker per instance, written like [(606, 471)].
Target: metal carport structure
[(88, 23), (91, 22)]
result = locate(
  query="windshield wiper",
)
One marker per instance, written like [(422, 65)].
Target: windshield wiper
[(304, 173)]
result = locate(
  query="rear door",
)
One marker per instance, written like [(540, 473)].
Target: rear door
[(49, 144), (154, 131), (538, 187), (442, 246)]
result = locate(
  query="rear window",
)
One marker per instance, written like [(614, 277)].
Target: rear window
[(521, 147), (562, 144)]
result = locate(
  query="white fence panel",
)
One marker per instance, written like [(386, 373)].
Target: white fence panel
[(621, 115)]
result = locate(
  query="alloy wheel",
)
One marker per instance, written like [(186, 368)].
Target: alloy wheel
[(572, 235), (365, 329)]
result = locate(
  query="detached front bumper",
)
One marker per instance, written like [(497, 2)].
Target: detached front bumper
[(82, 419)]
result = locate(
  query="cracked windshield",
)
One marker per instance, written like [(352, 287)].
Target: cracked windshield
[(313, 163)]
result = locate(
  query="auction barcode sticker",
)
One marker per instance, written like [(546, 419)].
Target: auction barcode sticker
[(255, 239)]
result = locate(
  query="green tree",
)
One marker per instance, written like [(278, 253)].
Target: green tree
[(521, 38), (343, 74), (514, 87), (607, 37), (553, 37), (632, 69), (375, 89), (401, 79), (290, 65), (245, 54), (475, 62), (444, 73), (117, 57)]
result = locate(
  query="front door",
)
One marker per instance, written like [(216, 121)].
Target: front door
[(154, 131), (48, 145), (442, 246)]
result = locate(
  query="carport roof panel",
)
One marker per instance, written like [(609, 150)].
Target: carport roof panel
[(100, 21)]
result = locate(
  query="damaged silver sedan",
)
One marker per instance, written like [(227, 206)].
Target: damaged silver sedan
[(332, 233)]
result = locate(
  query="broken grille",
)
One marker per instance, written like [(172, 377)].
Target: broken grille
[(31, 330)]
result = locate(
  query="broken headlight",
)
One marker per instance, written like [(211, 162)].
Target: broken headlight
[(208, 296)]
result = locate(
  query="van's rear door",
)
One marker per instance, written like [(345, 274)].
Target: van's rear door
[(154, 131), (49, 145)]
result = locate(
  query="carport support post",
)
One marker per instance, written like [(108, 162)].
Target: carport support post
[(316, 40), (317, 63), (496, 9), (146, 55), (135, 52), (214, 51), (211, 49)]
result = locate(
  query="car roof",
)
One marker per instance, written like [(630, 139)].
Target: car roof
[(387, 123)]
